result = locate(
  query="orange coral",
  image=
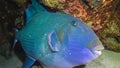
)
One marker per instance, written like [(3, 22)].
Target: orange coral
[(75, 8)]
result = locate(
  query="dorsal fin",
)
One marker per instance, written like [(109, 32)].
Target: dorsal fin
[(35, 7)]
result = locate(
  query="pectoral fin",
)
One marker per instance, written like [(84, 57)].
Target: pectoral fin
[(54, 42), (15, 39), (29, 61)]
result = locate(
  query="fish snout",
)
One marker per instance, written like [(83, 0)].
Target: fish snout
[(98, 49)]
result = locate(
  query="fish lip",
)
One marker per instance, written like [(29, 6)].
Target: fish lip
[(99, 48), (98, 52)]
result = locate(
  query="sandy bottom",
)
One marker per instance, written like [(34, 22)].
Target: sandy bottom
[(108, 59), (13, 62)]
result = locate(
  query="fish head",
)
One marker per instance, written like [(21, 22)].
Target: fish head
[(81, 44)]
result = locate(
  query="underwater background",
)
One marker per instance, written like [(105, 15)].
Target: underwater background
[(103, 16)]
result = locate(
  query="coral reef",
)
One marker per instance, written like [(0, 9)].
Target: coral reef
[(94, 16), (110, 35), (52, 3)]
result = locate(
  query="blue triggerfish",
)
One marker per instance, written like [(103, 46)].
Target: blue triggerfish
[(56, 40)]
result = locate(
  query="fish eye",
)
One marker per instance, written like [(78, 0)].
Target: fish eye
[(74, 23)]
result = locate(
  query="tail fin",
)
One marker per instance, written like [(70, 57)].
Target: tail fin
[(35, 7), (15, 39)]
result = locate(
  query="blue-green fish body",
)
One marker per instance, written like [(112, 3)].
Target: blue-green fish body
[(57, 40)]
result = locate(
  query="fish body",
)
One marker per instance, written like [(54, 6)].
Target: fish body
[(57, 40)]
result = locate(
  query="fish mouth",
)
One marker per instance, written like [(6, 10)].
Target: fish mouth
[(98, 50), (96, 53), (99, 47)]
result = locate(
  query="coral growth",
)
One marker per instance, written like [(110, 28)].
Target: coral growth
[(75, 8), (95, 16), (53, 3), (110, 35)]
